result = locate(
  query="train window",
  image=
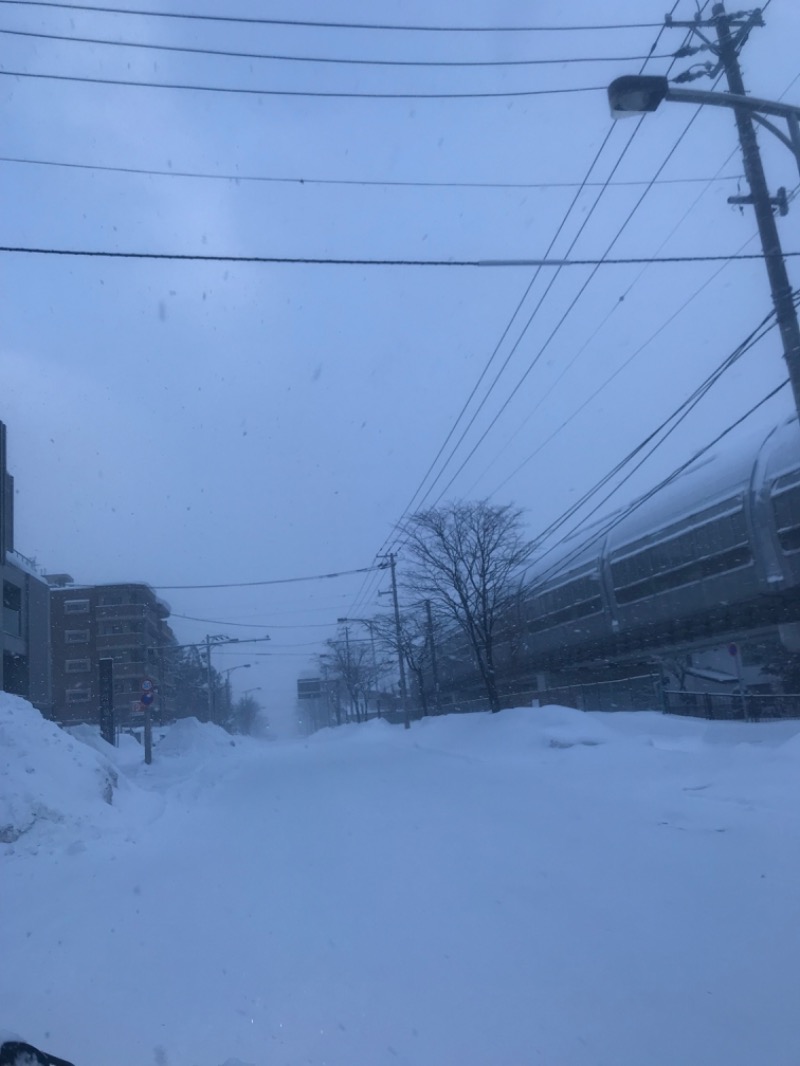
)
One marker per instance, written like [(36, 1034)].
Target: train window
[(704, 549), (578, 598), (786, 507)]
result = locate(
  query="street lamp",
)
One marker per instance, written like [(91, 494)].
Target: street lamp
[(227, 682), (640, 94)]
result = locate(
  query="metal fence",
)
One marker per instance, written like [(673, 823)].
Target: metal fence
[(646, 692), (753, 707)]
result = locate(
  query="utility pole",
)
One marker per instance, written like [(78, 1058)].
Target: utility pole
[(434, 665), (399, 635), (209, 680), (350, 680), (732, 32)]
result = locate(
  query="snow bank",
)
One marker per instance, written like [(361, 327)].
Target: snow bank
[(539, 885), (47, 775), (190, 737)]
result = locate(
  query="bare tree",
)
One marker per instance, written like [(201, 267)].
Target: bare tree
[(412, 642), (350, 663), (244, 715), (465, 557)]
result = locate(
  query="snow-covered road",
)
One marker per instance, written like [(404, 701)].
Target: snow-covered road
[(538, 886)]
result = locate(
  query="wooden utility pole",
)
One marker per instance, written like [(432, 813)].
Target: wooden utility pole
[(437, 701), (399, 635), (732, 32)]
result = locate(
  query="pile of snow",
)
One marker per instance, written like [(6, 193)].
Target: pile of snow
[(47, 775), (188, 737), (539, 885)]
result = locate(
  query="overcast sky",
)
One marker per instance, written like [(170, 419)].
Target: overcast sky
[(189, 423)]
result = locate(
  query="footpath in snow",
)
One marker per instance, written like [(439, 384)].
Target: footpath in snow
[(538, 886)]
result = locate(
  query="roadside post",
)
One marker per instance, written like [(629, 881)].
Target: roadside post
[(735, 652), (105, 669), (146, 700)]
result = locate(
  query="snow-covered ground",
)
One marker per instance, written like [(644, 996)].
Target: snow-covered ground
[(538, 886)]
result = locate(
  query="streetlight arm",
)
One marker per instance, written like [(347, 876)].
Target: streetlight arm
[(636, 94), (748, 103)]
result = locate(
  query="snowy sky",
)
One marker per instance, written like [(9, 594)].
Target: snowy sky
[(189, 423)]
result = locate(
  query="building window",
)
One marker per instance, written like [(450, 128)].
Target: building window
[(77, 695), (77, 666), (76, 636), (76, 606), (12, 609)]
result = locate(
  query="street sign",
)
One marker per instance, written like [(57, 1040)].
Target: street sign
[(146, 699), (309, 689)]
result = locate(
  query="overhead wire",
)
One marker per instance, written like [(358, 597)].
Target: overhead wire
[(601, 325), (250, 625), (336, 60), (314, 93), (615, 520), (273, 581), (316, 23), (393, 538), (667, 427), (560, 322), (596, 392), (307, 260), (359, 182)]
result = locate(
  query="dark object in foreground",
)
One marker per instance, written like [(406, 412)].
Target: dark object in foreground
[(16, 1053)]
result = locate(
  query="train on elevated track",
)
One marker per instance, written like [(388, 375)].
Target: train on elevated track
[(713, 556)]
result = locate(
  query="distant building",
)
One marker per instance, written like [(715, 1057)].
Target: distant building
[(24, 634), (126, 623)]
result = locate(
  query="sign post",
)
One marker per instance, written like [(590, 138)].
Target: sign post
[(146, 700), (735, 651), (106, 691)]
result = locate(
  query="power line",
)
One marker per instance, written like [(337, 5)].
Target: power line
[(465, 406), (616, 519), (250, 625), (342, 61), (514, 315), (341, 261), (378, 182), (518, 308), (337, 95), (609, 379), (596, 392), (392, 539), (274, 581), (670, 424), (559, 324), (332, 25)]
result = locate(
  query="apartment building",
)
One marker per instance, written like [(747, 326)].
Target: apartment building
[(126, 623), (24, 633)]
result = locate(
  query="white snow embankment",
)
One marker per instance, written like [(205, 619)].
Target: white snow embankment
[(48, 777)]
